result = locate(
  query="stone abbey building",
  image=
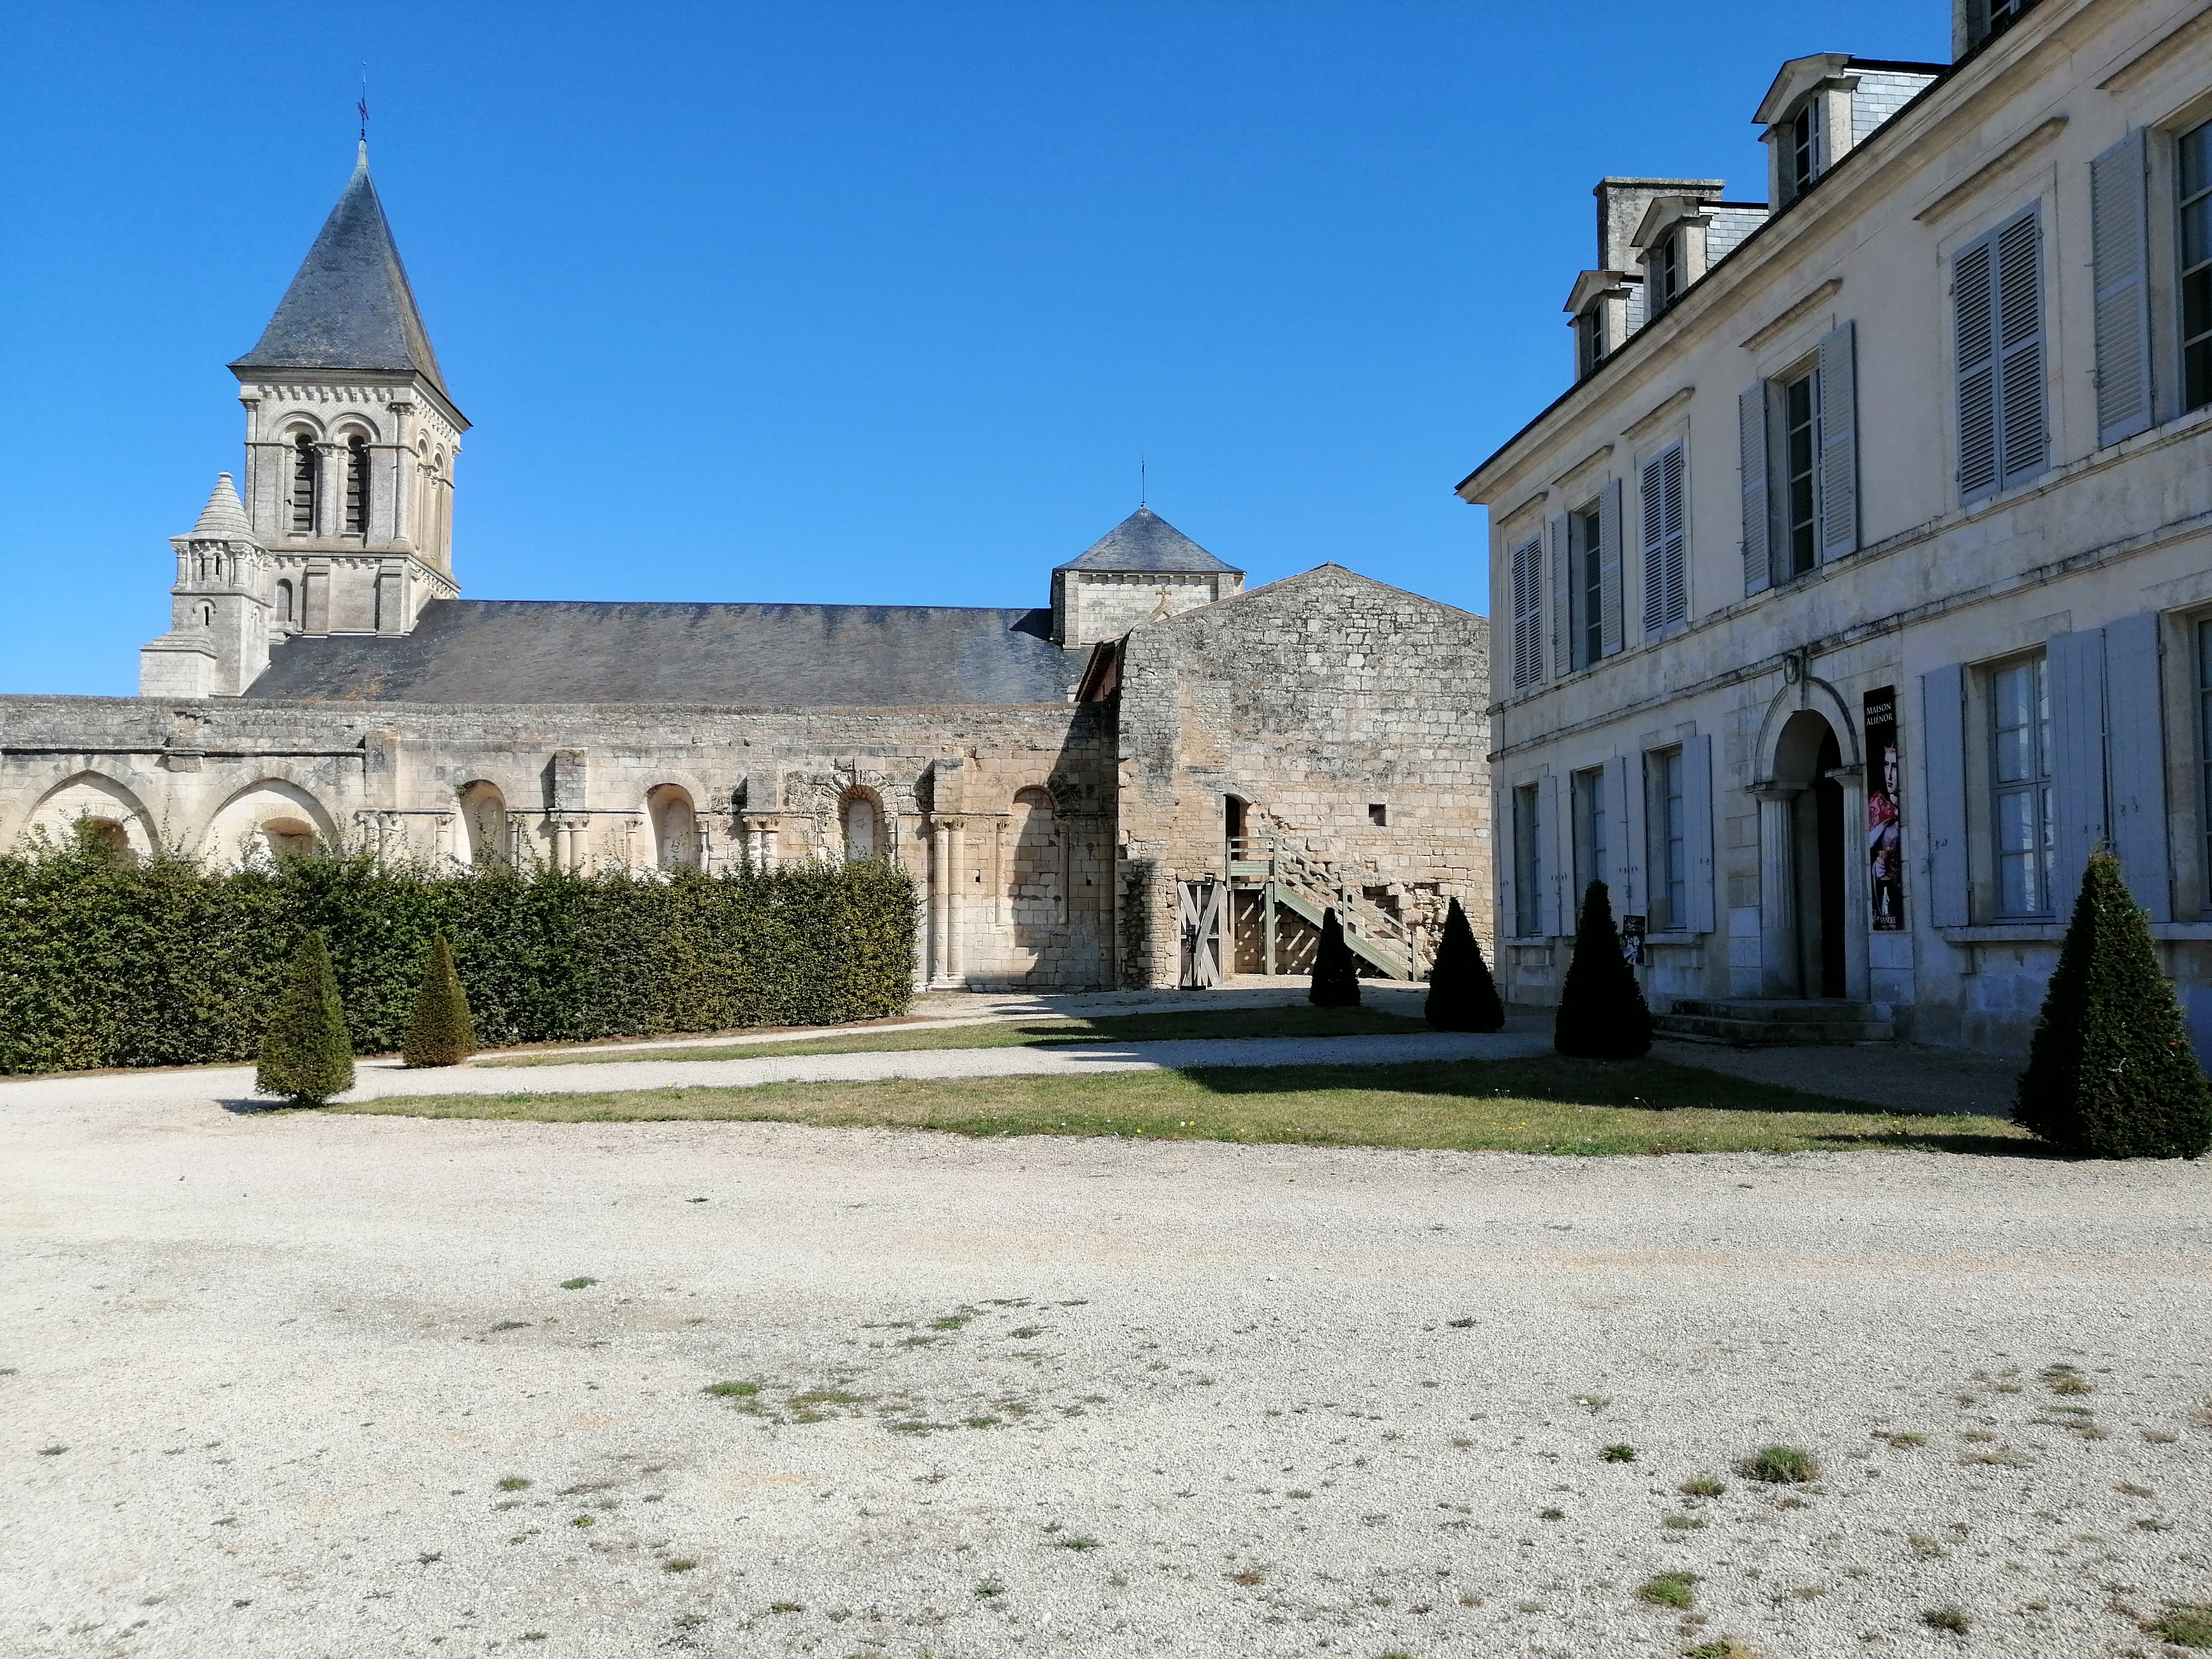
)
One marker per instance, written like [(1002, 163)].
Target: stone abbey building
[(1159, 777)]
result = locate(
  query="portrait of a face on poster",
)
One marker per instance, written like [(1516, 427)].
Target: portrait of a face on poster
[(1885, 814)]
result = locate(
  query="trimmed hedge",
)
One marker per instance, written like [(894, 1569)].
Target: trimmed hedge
[(104, 962)]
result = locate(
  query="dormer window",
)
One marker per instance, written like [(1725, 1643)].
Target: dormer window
[(1668, 275), (303, 485), (1589, 342), (1987, 17), (1801, 149)]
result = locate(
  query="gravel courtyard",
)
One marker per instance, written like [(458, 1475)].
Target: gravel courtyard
[(273, 1384)]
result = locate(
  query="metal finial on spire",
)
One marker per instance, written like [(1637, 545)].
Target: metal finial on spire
[(362, 106), (1143, 484)]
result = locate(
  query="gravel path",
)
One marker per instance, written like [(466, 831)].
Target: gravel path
[(378, 1079), (264, 1374)]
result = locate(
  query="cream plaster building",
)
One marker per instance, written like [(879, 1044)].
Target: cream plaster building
[(1158, 777), (1862, 581)]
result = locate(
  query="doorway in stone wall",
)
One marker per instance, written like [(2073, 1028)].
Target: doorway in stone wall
[(1806, 758)]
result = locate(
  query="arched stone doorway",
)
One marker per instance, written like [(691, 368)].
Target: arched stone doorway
[(1805, 870)]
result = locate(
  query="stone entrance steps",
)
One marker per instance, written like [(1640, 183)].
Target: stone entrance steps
[(1764, 1023)]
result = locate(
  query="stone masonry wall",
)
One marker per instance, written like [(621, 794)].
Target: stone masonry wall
[(1315, 700)]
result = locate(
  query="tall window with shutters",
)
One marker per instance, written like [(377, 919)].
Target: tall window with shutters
[(1586, 546), (357, 485), (1801, 465), (1665, 541), (1667, 840), (2020, 788), (2204, 741), (1996, 297), (1527, 571), (303, 485), (1592, 834), (1528, 862), (2195, 247)]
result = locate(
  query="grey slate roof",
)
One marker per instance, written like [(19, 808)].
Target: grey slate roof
[(765, 656), (1144, 541), (350, 305)]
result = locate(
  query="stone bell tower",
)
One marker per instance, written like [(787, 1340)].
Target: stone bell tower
[(350, 444)]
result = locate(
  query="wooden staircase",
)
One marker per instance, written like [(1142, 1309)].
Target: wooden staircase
[(1307, 890)]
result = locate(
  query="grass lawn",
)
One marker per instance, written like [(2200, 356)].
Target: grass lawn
[(1300, 1019), (1542, 1104)]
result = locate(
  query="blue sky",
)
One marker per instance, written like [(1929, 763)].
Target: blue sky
[(842, 302)]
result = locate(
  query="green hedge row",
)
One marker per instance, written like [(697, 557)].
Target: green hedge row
[(104, 963)]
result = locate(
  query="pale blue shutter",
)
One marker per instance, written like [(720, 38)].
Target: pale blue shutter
[(1677, 550), (1840, 443), (2119, 239), (1558, 911), (1562, 603), (2075, 665), (1943, 794), (1608, 567), (1757, 511), (1623, 826), (2024, 437), (1697, 829), (1506, 828), (1651, 509), (1528, 619), (2134, 752), (1973, 318)]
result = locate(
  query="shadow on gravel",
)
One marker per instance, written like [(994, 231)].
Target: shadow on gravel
[(1980, 1146), (255, 1108), (1650, 1085)]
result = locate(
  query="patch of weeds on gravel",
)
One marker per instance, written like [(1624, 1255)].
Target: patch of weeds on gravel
[(786, 1606), (1926, 1548), (1669, 1589), (1950, 1619), (1904, 1441), (1780, 1466), (1550, 1515), (1619, 1453), (51, 1451), (2063, 1379), (1702, 1486), (576, 1283), (2184, 1624), (989, 1587), (1727, 1647), (682, 1564), (515, 1483), (512, 1325)]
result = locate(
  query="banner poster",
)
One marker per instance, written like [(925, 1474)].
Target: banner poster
[(1885, 814), (1631, 939)]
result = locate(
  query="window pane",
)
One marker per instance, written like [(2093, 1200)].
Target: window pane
[(2195, 151)]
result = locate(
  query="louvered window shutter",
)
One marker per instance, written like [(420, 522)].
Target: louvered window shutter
[(1665, 544), (1698, 830), (1973, 314), (1528, 641), (1840, 443), (2135, 747), (1506, 923), (2076, 668), (1563, 604), (1943, 750), (1558, 875), (2023, 438), (1758, 543), (1608, 567), (2119, 220)]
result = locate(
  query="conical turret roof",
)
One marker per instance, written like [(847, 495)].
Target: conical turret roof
[(1144, 541), (350, 305), (223, 518)]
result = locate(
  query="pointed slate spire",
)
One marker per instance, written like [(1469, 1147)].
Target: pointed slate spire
[(1146, 542), (350, 305), (223, 518)]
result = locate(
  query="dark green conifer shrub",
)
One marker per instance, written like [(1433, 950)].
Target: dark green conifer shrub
[(305, 1052), (441, 1032), (1603, 1014), (2110, 1072), (1335, 976), (1462, 996)]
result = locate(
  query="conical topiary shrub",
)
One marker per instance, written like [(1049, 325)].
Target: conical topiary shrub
[(305, 1053), (441, 1032), (1603, 1014), (1335, 977), (1462, 996), (2110, 1074)]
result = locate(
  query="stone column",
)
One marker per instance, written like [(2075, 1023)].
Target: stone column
[(956, 965), (1780, 973), (1856, 900), (940, 962)]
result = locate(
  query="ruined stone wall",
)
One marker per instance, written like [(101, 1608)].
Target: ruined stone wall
[(1316, 700), (1004, 815)]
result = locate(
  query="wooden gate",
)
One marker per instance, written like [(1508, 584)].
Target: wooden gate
[(1198, 916)]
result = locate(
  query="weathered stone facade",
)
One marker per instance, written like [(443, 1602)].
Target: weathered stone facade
[(1044, 774)]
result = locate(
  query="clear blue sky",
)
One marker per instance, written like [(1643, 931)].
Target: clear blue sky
[(842, 302)]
